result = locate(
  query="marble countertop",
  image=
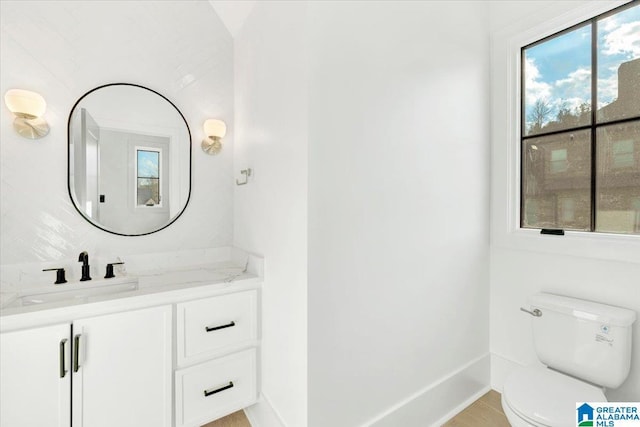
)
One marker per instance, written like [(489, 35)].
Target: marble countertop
[(142, 289)]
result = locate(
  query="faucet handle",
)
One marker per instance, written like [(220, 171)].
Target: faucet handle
[(60, 275), (110, 274)]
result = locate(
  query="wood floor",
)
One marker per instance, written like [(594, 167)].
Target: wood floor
[(237, 419), (484, 412)]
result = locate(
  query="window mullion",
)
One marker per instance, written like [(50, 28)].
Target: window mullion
[(594, 108)]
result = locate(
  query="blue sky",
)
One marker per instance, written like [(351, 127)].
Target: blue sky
[(148, 163), (559, 70)]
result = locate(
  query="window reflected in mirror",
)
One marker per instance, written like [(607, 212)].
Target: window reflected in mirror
[(148, 177)]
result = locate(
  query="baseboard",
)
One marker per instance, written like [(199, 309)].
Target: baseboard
[(433, 405), (262, 414), (440, 400), (501, 367)]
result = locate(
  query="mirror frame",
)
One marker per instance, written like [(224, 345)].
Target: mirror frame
[(69, 159)]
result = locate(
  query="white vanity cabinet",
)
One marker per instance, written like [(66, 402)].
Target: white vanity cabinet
[(35, 377), (110, 370), (217, 340), (169, 354)]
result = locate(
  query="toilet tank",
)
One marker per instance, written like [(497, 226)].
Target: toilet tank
[(587, 340)]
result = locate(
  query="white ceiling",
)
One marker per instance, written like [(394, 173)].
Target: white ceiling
[(233, 12)]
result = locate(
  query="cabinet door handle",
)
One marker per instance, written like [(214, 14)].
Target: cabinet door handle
[(63, 363), (215, 328), (76, 352), (209, 392)]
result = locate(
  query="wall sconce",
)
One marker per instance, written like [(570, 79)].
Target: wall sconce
[(214, 131), (28, 107)]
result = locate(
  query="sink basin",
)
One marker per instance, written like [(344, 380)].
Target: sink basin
[(77, 292)]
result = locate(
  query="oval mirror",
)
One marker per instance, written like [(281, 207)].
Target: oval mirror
[(129, 159)]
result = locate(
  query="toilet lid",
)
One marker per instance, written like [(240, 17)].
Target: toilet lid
[(547, 397)]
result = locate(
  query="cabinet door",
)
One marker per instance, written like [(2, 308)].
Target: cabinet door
[(123, 377), (35, 381)]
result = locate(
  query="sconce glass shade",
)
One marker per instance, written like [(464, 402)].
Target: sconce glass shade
[(25, 104), (214, 127), (28, 107), (214, 131)]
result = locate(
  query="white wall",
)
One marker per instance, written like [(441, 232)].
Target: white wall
[(270, 215), (594, 267), (398, 205), (63, 49)]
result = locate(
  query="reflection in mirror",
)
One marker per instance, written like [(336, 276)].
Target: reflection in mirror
[(129, 159)]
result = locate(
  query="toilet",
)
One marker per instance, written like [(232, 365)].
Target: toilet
[(585, 347)]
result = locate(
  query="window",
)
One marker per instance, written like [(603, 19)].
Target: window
[(568, 210), (580, 126), (148, 177), (559, 160), (623, 154)]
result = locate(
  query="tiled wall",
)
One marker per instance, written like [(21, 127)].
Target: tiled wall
[(63, 49)]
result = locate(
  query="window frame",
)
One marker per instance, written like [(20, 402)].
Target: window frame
[(505, 231), (594, 123)]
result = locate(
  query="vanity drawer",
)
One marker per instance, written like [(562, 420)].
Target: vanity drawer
[(213, 389), (208, 326)]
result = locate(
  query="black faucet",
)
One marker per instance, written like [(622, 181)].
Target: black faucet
[(84, 259)]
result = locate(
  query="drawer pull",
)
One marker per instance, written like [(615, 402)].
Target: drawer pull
[(208, 393), (215, 328)]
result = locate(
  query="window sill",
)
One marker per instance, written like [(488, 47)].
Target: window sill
[(602, 246)]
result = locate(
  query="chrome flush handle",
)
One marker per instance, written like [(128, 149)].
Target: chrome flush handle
[(534, 313)]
